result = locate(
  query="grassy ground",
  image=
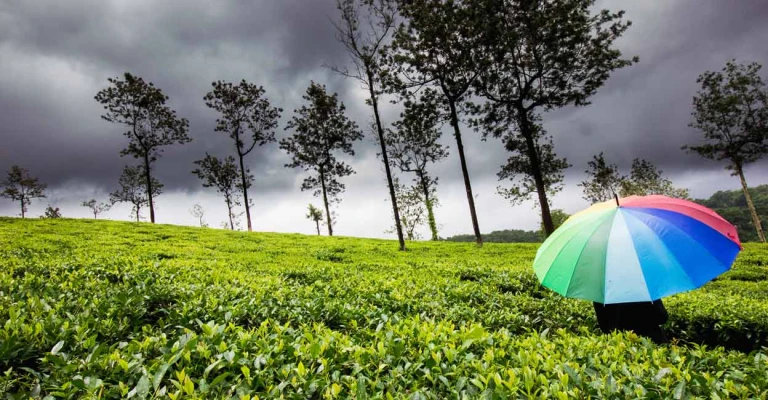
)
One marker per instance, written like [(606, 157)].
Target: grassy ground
[(114, 309)]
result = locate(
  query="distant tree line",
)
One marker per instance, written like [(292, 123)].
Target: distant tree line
[(503, 236), (495, 66)]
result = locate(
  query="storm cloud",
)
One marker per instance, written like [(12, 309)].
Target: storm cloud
[(55, 56)]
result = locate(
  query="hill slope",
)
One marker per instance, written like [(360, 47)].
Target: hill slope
[(108, 309), (732, 205)]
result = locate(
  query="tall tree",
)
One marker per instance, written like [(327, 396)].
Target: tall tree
[(363, 28), (433, 49), (96, 207), (223, 175), (20, 186), (152, 125), (645, 179), (731, 110), (248, 118), (321, 128), (521, 170), (413, 145), (542, 55), (132, 189), (603, 180), (316, 215)]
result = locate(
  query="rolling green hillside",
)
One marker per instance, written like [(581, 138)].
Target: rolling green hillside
[(732, 205), (98, 309)]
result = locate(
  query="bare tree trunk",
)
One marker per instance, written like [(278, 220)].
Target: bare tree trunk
[(533, 156), (149, 188), (317, 225), (245, 191), (138, 210), (22, 207), (465, 172), (428, 203), (229, 213), (751, 205), (385, 157), (325, 202)]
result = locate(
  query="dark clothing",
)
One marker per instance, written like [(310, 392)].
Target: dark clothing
[(643, 318)]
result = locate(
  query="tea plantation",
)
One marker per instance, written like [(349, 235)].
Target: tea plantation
[(97, 309)]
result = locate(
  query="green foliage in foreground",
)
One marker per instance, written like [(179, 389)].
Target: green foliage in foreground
[(112, 309)]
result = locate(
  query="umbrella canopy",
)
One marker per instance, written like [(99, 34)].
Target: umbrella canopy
[(639, 248)]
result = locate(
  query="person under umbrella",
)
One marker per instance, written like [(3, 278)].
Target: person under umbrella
[(643, 318), (628, 255)]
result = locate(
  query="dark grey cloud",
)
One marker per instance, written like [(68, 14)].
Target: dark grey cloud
[(644, 110), (54, 57)]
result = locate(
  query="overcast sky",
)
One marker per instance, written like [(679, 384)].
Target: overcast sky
[(55, 55)]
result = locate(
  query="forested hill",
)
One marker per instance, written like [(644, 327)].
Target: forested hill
[(732, 205), (504, 236)]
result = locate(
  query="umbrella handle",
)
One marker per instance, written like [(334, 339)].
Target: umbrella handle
[(615, 196)]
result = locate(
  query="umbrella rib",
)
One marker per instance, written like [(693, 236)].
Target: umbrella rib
[(599, 225), (691, 209), (568, 225), (686, 204), (672, 226), (549, 270), (634, 254), (560, 232), (577, 259), (679, 265)]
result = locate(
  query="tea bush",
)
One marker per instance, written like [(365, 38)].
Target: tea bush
[(112, 309)]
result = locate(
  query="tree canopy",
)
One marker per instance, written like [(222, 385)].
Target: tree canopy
[(152, 125), (645, 179), (412, 209), (20, 186), (320, 130), (363, 28), (519, 168), (315, 215), (537, 56), (604, 180), (249, 119), (731, 110), (434, 52), (225, 177), (96, 207), (132, 189), (413, 144)]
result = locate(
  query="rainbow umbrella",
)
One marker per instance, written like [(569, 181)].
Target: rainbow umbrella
[(638, 248)]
